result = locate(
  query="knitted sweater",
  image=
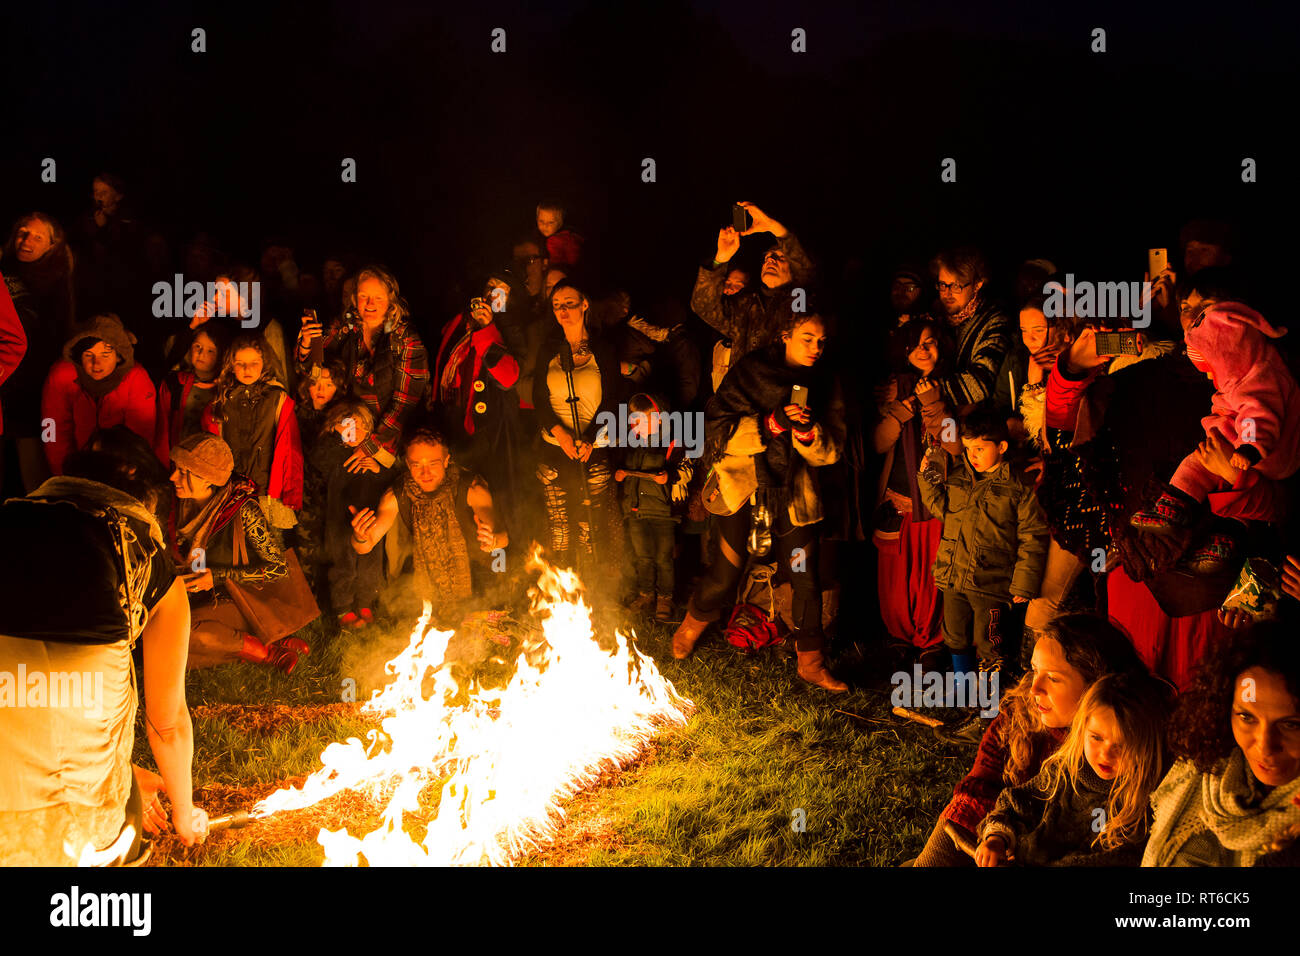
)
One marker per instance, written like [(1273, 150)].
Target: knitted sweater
[(977, 793), (1223, 819), (1058, 831)]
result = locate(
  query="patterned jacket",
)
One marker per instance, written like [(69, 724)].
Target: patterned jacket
[(983, 341)]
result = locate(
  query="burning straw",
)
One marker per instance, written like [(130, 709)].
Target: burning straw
[(506, 758)]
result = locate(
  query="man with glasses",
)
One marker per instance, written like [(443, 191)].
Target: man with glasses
[(981, 330), (751, 318)]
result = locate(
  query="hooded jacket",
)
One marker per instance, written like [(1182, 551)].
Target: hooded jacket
[(72, 412), (1256, 404)]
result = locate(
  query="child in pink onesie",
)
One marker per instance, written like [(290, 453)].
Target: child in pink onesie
[(1256, 409)]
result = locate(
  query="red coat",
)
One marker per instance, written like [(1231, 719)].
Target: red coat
[(564, 248), (13, 340), (285, 483), (75, 413)]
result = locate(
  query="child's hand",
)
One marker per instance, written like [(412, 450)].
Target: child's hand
[(992, 852), (661, 477), (1017, 599), (1216, 454), (1238, 460), (1234, 618), (620, 475)]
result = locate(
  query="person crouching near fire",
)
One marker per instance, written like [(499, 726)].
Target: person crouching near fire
[(993, 549), (443, 516), (69, 793)]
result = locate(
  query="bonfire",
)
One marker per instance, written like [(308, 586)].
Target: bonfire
[(506, 758)]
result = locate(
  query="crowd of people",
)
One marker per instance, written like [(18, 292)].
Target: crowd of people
[(1093, 516)]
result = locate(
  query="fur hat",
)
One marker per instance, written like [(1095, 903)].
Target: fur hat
[(205, 455), (106, 327)]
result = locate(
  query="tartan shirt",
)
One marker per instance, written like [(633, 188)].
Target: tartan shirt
[(393, 404)]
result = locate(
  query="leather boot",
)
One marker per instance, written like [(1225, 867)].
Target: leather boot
[(812, 668), (253, 651), (687, 634), (283, 654)]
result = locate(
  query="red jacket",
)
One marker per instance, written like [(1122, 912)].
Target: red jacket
[(74, 413), (564, 248), (13, 340), (285, 482), (975, 795)]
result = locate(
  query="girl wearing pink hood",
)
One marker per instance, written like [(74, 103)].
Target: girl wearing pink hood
[(1255, 410)]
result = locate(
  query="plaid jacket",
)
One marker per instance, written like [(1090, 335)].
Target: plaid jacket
[(391, 380)]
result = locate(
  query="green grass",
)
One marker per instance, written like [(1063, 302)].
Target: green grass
[(724, 790)]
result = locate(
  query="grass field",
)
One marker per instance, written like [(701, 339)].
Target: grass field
[(724, 790)]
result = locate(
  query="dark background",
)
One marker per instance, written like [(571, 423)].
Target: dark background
[(1088, 159)]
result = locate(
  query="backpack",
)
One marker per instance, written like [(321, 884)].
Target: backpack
[(749, 627)]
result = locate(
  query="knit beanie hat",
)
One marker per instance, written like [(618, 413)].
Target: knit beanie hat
[(206, 456), (102, 328)]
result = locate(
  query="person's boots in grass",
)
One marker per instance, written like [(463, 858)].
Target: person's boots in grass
[(687, 634), (642, 603), (971, 732), (931, 658), (664, 609), (282, 654), (900, 655), (812, 668), (1173, 511), (963, 662)]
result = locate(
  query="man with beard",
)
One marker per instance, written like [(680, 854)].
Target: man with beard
[(751, 318), (981, 330)]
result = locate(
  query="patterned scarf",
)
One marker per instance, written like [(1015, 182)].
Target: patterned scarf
[(441, 554)]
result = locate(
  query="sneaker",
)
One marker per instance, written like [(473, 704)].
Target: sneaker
[(1168, 515), (1214, 556), (351, 620), (366, 615), (969, 733)]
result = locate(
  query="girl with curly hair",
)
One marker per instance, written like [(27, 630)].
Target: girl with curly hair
[(1088, 804), (1033, 718), (1233, 797), (255, 415)]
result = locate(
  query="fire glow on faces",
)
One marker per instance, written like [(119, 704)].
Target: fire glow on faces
[(954, 292), (203, 355), (427, 464), (805, 344), (1057, 687), (984, 455), (248, 365), (1267, 727), (1103, 743), (322, 389), (372, 301), (925, 356), (549, 222), (34, 240), (99, 361)]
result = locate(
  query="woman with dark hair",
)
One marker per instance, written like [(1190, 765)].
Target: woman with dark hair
[(778, 417), (905, 533), (187, 391), (220, 533), (574, 472), (1033, 718), (473, 398), (97, 384), (1233, 797), (38, 267)]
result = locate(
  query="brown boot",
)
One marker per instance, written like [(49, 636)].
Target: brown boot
[(664, 609), (687, 634), (812, 668), (642, 603)]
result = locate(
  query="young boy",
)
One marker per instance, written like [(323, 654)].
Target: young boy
[(994, 544), (354, 578), (563, 246), (648, 503)]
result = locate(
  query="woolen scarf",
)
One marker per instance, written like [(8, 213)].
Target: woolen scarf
[(1232, 805), (441, 554)]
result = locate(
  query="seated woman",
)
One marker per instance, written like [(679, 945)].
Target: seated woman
[(1233, 797), (220, 532), (1073, 653), (96, 385), (766, 447), (66, 777), (446, 519)]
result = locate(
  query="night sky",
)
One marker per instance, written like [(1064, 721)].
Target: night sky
[(1086, 158)]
